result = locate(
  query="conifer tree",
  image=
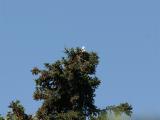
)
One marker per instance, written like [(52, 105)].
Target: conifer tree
[(67, 87), (1, 118), (17, 112), (67, 90)]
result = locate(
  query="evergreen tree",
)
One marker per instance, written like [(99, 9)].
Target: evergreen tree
[(120, 109), (67, 90), (17, 112), (119, 112), (1, 118), (67, 87)]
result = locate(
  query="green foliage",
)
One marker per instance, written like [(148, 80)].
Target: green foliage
[(120, 109), (103, 115), (70, 115), (120, 112), (67, 85), (17, 112), (67, 90), (1, 118)]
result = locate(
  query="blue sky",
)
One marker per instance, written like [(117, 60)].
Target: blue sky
[(125, 34)]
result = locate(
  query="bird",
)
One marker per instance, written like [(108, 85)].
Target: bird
[(83, 49)]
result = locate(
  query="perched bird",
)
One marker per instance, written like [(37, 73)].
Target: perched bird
[(83, 49)]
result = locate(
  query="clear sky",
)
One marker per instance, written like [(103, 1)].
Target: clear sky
[(125, 34)]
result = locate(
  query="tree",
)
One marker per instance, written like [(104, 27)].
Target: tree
[(67, 87), (17, 112), (67, 90), (120, 109), (119, 112), (1, 118)]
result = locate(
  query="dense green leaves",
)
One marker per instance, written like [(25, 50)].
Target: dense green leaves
[(1, 118), (68, 85), (17, 112), (67, 90)]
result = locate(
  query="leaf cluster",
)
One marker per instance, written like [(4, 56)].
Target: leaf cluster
[(67, 85), (17, 112), (67, 90)]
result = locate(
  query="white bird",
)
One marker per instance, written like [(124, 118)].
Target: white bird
[(83, 49)]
